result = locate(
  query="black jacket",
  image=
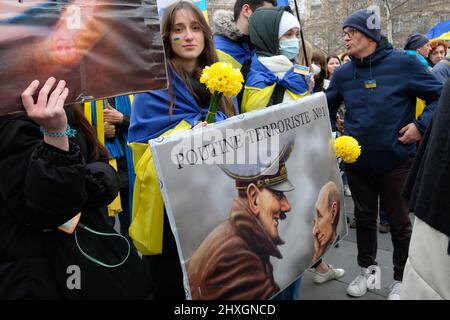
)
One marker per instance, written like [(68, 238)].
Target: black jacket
[(427, 187), (41, 187)]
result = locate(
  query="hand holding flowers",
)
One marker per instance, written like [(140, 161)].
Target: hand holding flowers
[(220, 79)]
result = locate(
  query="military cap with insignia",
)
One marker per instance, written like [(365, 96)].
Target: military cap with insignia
[(271, 173)]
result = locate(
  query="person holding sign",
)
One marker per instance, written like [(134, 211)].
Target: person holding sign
[(189, 48), (55, 184)]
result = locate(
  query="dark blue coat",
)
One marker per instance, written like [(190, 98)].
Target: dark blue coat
[(375, 116)]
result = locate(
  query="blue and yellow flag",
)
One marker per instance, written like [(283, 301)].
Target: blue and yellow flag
[(441, 31), (231, 52), (150, 113), (163, 4)]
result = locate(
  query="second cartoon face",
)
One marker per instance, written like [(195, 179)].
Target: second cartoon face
[(326, 213)]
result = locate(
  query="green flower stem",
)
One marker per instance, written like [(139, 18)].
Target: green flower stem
[(212, 110)]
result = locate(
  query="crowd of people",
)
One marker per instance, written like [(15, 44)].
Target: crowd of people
[(389, 100)]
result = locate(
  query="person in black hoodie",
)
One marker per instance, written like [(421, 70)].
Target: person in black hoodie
[(49, 174), (427, 269), (379, 88)]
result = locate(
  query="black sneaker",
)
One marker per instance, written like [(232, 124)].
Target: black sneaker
[(353, 224)]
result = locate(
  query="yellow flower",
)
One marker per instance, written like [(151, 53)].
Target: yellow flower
[(347, 148), (222, 77)]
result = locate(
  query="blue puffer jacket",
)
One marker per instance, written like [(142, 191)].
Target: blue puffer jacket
[(375, 116)]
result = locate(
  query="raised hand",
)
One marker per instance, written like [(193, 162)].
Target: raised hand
[(48, 110)]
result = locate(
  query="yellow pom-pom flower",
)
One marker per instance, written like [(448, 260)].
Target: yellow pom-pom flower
[(347, 148), (222, 77)]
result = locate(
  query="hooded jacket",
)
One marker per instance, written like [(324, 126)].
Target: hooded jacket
[(41, 187), (374, 116), (273, 78), (231, 44), (263, 29)]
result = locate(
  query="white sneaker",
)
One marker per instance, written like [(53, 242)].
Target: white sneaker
[(347, 191), (331, 274), (358, 287), (395, 288)]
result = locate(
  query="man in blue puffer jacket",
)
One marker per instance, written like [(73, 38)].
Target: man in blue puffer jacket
[(379, 88)]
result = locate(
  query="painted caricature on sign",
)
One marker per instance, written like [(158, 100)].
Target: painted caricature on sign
[(256, 183), (326, 219), (233, 262)]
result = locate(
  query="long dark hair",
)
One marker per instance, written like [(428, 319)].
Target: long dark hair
[(96, 151), (206, 58), (319, 58), (328, 75)]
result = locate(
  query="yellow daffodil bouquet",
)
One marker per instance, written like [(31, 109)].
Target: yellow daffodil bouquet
[(347, 148), (220, 79)]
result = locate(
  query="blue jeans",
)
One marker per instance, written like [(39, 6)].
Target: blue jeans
[(291, 292), (383, 216)]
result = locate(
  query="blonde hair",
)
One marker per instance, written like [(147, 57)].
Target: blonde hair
[(309, 52)]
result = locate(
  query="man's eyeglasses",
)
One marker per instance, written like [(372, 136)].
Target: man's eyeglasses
[(349, 33)]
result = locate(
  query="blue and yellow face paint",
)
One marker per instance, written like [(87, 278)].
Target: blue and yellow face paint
[(177, 40)]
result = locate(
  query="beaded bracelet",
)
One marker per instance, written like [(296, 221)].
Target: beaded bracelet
[(71, 133)]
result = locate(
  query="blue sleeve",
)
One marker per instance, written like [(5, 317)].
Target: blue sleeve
[(334, 98), (425, 86), (442, 71)]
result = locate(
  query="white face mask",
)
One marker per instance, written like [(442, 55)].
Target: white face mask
[(316, 69)]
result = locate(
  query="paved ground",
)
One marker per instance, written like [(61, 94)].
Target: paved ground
[(345, 257)]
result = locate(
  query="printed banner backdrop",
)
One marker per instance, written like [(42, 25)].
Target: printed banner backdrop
[(102, 48), (163, 4), (199, 197)]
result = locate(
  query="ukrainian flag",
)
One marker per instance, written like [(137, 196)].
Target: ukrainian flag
[(441, 31), (202, 5), (261, 84)]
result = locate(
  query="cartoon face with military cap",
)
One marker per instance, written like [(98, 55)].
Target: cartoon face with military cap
[(233, 261), (264, 187)]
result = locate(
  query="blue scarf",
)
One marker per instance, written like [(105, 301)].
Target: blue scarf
[(150, 116), (422, 60), (241, 53)]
